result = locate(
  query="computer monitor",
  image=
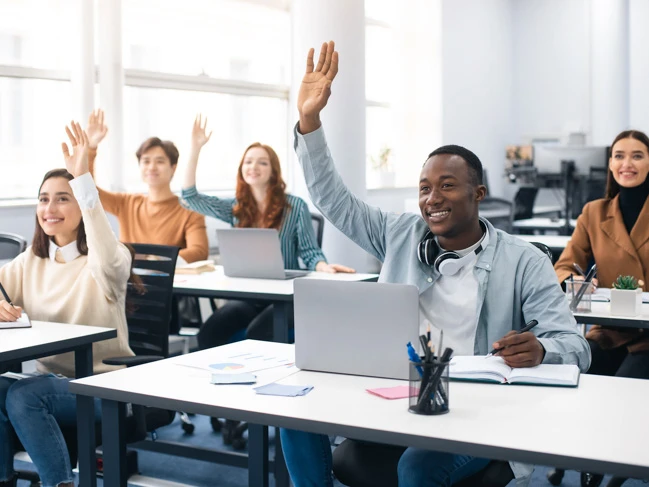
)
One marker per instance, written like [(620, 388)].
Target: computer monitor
[(547, 158)]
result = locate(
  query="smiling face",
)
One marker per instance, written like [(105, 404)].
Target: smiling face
[(629, 162), (155, 167), (255, 167), (58, 212), (448, 196)]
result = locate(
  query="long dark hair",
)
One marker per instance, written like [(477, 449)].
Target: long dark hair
[(41, 241), (612, 186), (246, 209)]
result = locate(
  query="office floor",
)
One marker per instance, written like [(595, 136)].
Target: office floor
[(203, 474)]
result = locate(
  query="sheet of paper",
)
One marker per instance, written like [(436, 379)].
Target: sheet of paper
[(220, 362), (283, 390), (22, 322)]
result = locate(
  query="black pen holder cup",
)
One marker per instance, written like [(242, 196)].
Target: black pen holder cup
[(428, 388)]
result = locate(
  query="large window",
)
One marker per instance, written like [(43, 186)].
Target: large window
[(236, 122)]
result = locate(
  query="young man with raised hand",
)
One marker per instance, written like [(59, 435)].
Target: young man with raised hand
[(501, 283)]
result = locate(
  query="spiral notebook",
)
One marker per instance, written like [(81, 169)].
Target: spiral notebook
[(494, 369), (22, 322)]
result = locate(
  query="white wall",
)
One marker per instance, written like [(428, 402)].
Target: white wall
[(477, 63), (639, 64), (551, 68)]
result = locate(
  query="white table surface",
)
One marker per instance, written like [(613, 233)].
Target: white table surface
[(545, 209), (594, 427), (45, 338), (543, 223), (552, 241), (216, 281), (600, 314)]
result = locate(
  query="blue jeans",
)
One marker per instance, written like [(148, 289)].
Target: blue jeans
[(309, 462), (35, 409)]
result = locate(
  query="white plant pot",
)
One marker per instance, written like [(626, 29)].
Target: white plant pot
[(626, 302), (387, 179)]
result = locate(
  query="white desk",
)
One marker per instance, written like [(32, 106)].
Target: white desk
[(547, 210), (554, 242), (278, 292), (543, 224), (485, 419), (600, 314), (44, 339)]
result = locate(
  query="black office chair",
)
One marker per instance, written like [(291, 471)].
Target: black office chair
[(364, 464), (11, 245), (318, 222), (505, 222), (524, 202)]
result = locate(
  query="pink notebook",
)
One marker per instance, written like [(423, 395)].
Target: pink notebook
[(397, 392)]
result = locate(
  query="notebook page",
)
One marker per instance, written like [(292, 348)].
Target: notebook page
[(548, 374), (479, 367), (22, 322)]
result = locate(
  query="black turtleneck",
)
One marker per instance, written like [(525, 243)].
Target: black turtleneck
[(631, 202)]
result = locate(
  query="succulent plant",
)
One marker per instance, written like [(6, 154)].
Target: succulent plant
[(626, 282)]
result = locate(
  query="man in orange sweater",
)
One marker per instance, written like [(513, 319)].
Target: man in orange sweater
[(156, 217)]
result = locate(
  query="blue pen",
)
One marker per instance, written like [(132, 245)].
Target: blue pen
[(412, 354)]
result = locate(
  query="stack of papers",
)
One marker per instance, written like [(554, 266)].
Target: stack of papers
[(197, 267)]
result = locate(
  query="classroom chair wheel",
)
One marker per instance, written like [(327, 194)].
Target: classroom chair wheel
[(188, 428), (556, 476), (590, 479), (216, 424)]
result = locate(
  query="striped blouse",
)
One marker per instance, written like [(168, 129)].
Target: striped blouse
[(296, 235)]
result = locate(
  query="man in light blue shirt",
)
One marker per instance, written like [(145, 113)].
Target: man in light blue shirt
[(504, 281)]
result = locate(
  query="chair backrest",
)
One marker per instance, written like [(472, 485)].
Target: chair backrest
[(545, 249), (11, 245), (149, 319), (505, 222), (318, 226), (524, 202)]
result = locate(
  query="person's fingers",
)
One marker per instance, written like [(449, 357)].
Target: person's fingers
[(321, 59), (333, 70), (84, 135), (343, 268), (520, 360), (75, 130), (8, 312), (73, 141), (210, 135), (205, 123), (100, 114), (328, 56), (329, 269), (324, 94), (515, 339), (66, 151), (309, 61), (498, 344), (515, 349)]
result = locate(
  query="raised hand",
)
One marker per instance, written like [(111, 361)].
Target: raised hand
[(77, 162), (200, 137), (96, 129), (316, 86)]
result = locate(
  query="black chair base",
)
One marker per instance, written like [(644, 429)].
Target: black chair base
[(232, 432)]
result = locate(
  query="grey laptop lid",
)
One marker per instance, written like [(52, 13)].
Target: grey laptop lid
[(252, 252), (359, 328)]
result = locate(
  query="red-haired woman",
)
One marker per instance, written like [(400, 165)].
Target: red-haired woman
[(260, 202)]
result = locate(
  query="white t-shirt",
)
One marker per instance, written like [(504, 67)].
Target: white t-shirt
[(450, 305)]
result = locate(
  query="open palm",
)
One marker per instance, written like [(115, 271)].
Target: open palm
[(316, 83), (200, 137), (96, 129), (77, 162)]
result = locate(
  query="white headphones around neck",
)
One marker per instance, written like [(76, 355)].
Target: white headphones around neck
[(447, 263)]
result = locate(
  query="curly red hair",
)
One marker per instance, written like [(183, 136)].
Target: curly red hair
[(246, 209)]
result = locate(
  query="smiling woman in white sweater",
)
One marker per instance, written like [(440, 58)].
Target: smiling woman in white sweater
[(76, 271)]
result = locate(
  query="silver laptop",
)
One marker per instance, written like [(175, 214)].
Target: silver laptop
[(359, 328), (253, 252)]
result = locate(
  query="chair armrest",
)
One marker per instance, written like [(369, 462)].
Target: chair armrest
[(132, 361)]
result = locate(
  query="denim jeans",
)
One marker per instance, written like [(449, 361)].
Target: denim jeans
[(309, 462), (35, 409)]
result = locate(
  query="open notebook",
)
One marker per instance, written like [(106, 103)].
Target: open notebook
[(22, 322), (493, 369)]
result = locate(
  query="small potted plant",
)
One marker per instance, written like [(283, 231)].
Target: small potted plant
[(382, 164), (626, 296)]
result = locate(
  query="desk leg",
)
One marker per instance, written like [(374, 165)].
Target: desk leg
[(257, 455), (86, 422), (281, 472), (281, 313), (114, 443)]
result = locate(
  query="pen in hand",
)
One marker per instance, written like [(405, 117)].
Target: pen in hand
[(6, 296), (525, 329)]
